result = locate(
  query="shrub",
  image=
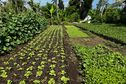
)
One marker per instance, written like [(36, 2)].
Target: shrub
[(19, 28), (112, 15)]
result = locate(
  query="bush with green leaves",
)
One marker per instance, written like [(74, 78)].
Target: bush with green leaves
[(111, 15), (19, 28)]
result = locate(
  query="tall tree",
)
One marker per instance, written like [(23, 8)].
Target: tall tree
[(61, 5), (82, 7), (16, 5), (85, 6), (55, 1), (123, 13), (101, 6), (73, 7)]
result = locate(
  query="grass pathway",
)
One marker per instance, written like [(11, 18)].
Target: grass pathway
[(42, 61)]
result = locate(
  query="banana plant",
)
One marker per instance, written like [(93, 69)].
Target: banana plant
[(52, 10)]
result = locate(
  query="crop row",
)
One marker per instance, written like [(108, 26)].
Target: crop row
[(100, 65), (111, 31), (42, 61)]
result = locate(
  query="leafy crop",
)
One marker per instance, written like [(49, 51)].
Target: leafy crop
[(17, 29), (113, 31), (101, 65)]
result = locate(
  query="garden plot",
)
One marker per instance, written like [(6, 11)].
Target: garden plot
[(98, 62), (42, 61)]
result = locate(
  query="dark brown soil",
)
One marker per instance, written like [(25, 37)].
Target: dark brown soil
[(72, 61), (88, 41)]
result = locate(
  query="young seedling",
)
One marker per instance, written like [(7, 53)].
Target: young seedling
[(63, 72), (9, 82), (30, 68), (38, 73), (33, 63), (22, 82), (28, 58), (51, 81), (6, 63), (24, 63), (27, 74), (41, 67), (64, 79), (52, 66), (42, 62), (8, 68), (36, 81), (20, 69), (52, 73), (1, 68), (21, 58), (3, 74)]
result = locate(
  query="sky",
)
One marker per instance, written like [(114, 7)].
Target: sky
[(43, 2)]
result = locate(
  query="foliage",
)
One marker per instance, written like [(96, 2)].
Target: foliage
[(61, 5), (49, 11), (72, 11), (123, 13), (19, 28), (14, 6), (64, 79), (111, 15), (101, 65), (110, 30), (51, 81), (34, 6)]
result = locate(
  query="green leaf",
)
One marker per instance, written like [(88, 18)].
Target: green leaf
[(36, 81), (4, 48), (38, 73), (9, 82), (22, 82), (64, 79)]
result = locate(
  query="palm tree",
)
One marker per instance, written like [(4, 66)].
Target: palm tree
[(55, 2)]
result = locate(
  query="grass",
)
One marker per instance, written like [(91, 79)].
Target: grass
[(75, 32)]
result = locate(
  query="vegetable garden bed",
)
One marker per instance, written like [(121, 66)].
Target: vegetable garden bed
[(42, 61), (101, 65), (114, 33)]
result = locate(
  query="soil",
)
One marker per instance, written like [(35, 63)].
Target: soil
[(73, 62)]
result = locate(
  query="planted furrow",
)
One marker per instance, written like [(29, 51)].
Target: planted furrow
[(41, 60)]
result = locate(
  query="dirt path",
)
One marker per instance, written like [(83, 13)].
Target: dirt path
[(72, 61)]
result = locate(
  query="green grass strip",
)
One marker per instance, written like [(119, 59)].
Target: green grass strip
[(75, 32)]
